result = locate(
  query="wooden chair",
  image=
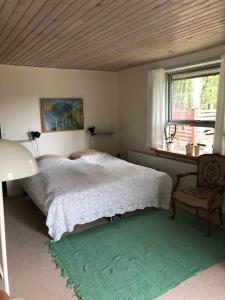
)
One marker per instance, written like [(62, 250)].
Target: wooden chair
[(208, 194)]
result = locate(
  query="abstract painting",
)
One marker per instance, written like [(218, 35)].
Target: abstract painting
[(61, 114)]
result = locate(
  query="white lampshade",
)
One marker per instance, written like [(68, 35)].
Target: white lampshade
[(15, 161)]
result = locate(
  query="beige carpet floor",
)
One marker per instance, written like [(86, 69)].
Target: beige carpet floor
[(33, 274)]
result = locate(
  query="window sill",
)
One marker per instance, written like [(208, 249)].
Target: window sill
[(174, 153)]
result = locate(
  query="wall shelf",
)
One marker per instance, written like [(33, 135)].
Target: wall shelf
[(103, 133), (171, 153)]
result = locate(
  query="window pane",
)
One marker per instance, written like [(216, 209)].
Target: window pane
[(195, 98), (188, 134)]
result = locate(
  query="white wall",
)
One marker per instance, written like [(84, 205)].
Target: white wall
[(21, 88), (168, 165), (132, 89)]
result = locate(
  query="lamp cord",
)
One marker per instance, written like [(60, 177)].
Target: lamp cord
[(90, 140), (37, 147), (35, 152)]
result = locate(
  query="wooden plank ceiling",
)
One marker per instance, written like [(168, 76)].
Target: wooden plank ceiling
[(106, 34)]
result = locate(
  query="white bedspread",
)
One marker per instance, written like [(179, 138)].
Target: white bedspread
[(83, 190)]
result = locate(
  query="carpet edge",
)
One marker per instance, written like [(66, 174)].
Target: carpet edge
[(63, 272)]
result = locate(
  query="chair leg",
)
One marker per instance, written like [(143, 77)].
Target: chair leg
[(196, 212), (174, 209), (209, 222), (221, 216)]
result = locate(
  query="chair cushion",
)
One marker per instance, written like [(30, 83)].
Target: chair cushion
[(197, 197)]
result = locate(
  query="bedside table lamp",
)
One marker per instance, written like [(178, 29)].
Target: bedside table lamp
[(15, 162)]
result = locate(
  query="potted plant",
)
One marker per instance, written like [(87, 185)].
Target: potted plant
[(189, 149), (169, 136)]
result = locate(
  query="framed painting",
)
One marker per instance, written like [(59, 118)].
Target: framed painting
[(61, 114)]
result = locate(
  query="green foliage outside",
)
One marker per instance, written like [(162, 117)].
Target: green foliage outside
[(183, 92), (209, 92)]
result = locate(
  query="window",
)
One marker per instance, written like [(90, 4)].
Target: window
[(192, 102)]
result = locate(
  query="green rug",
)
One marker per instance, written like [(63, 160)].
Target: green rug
[(138, 258)]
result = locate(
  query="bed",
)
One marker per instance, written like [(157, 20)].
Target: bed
[(72, 192)]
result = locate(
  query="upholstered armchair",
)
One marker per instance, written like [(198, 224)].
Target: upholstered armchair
[(208, 193)]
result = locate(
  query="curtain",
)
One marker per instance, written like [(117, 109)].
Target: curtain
[(156, 103), (219, 136)]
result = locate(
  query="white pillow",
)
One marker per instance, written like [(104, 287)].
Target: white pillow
[(79, 154)]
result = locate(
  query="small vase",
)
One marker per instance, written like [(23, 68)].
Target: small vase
[(168, 146), (197, 150), (189, 150)]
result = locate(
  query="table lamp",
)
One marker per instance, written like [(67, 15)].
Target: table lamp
[(15, 162)]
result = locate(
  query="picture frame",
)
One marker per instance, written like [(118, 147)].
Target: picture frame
[(61, 114)]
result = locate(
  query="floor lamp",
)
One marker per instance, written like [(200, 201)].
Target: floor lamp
[(15, 162)]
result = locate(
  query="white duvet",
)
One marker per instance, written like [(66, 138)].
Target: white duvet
[(83, 190)]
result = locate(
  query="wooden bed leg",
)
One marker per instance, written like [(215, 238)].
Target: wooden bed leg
[(121, 216), (1, 272), (221, 216), (109, 219), (174, 209), (209, 222)]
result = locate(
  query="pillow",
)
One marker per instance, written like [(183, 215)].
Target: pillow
[(47, 156), (79, 154)]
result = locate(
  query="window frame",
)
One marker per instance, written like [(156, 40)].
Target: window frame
[(169, 80)]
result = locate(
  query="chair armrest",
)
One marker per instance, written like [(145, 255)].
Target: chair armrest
[(222, 183), (184, 174), (220, 187)]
